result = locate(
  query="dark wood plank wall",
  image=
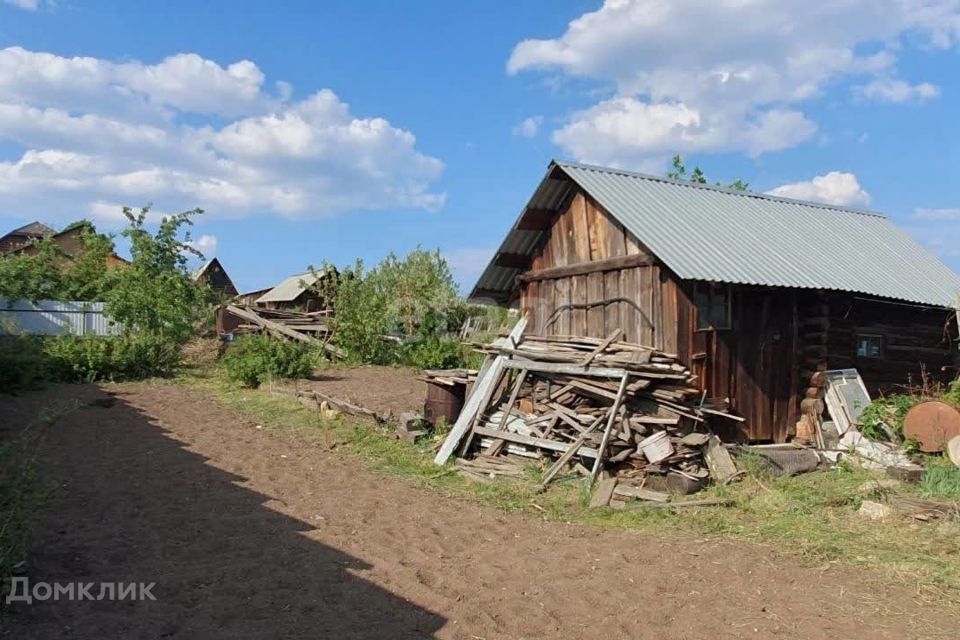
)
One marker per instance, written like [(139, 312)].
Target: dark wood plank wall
[(583, 233), (753, 365), (915, 340)]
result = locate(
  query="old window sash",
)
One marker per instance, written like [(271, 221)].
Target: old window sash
[(712, 301), (869, 345)]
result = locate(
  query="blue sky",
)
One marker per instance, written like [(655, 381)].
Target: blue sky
[(329, 131)]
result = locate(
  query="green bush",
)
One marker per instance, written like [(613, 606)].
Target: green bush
[(885, 413), (22, 363), (130, 357), (253, 360), (437, 353)]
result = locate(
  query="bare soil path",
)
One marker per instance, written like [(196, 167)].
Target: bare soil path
[(252, 533)]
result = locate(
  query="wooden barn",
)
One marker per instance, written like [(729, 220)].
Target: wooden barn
[(213, 274), (753, 292)]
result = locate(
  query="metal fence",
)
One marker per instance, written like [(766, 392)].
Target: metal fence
[(52, 318)]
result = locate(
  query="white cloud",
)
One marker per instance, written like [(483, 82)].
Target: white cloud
[(837, 188), (529, 127), (188, 132), (27, 5), (627, 131), (893, 90), (205, 244), (936, 214), (727, 75)]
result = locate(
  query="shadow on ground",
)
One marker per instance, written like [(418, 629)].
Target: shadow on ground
[(130, 504)]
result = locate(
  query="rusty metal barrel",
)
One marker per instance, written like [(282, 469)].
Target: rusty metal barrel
[(443, 401)]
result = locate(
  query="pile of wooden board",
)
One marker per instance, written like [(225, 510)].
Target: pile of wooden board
[(311, 328), (590, 405), (449, 377)]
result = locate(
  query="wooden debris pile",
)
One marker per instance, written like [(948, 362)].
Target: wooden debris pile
[(449, 377), (590, 405), (311, 328)]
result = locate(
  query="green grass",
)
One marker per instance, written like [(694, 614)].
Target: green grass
[(941, 481), (812, 517)]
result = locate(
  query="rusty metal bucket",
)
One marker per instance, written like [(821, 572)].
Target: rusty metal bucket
[(443, 401)]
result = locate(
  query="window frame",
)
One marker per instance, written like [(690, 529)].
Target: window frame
[(713, 290), (859, 335)]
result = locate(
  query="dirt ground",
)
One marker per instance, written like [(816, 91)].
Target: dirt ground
[(391, 390), (249, 532)]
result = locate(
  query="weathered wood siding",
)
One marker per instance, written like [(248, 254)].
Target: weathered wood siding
[(574, 305), (753, 364)]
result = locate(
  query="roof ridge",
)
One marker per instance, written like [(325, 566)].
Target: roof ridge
[(725, 190)]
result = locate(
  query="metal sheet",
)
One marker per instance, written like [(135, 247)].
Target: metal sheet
[(713, 234), (52, 318)]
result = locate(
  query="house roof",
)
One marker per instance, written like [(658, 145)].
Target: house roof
[(714, 234), (290, 289), (34, 230)]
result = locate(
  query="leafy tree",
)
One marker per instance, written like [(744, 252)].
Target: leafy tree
[(155, 293), (47, 273), (679, 172), (414, 297)]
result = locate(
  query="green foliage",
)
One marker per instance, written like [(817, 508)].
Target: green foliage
[(48, 274), (256, 359), (883, 419), (88, 358), (432, 352), (697, 176), (413, 299), (22, 363), (155, 293)]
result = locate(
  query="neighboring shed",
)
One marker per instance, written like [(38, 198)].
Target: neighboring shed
[(297, 292), (214, 275), (19, 238), (753, 292)]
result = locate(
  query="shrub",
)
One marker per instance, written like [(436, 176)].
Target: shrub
[(437, 353), (22, 363), (89, 358), (253, 360)]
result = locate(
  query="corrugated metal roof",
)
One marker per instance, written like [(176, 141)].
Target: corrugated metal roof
[(708, 233), (289, 289)]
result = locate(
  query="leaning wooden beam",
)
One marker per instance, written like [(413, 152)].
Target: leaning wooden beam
[(495, 448), (601, 347), (610, 420), (531, 441), (469, 411), (584, 268), (283, 330)]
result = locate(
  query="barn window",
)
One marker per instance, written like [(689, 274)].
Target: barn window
[(869, 345), (713, 305)]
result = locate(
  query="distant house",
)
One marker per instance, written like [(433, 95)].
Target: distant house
[(297, 292), (754, 293), (19, 238), (250, 298), (213, 274), (69, 241)]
